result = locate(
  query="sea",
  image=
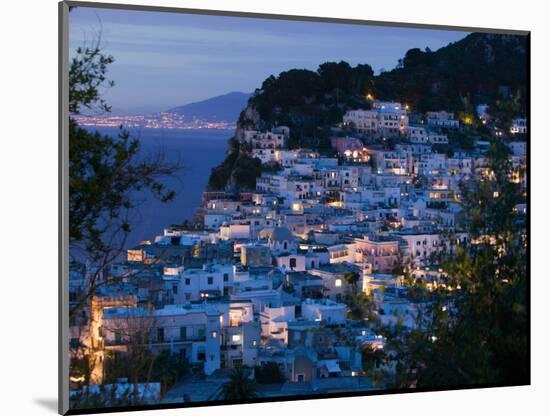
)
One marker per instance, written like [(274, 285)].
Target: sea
[(198, 151)]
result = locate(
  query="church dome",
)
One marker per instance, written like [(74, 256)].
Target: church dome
[(281, 234)]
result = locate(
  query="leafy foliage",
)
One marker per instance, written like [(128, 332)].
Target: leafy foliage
[(165, 367), (238, 170), (360, 305), (485, 67), (87, 74), (239, 386), (505, 110), (478, 334), (106, 173), (352, 278), (307, 100), (268, 373)]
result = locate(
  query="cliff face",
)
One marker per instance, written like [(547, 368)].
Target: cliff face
[(481, 68), (239, 170), (249, 119)]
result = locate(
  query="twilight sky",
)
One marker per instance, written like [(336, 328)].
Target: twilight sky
[(168, 59)]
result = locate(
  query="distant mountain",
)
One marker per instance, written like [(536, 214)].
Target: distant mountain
[(225, 107), (136, 111)]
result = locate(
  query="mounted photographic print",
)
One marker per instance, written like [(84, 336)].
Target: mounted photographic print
[(267, 208)]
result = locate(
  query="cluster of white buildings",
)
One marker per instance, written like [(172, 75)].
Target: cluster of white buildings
[(384, 119), (268, 276), (391, 120)]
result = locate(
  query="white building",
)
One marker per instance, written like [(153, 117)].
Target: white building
[(275, 139), (442, 119), (281, 240), (324, 310), (386, 119), (422, 244), (192, 331), (396, 162), (266, 156), (340, 253), (291, 262), (260, 298), (274, 322), (240, 333), (519, 126), (423, 135), (235, 231), (209, 282), (430, 164), (335, 285)]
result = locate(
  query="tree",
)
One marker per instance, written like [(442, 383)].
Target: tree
[(505, 110), (268, 373), (352, 278), (360, 305), (87, 75), (105, 173), (239, 386), (82, 363), (478, 65), (135, 331), (168, 368), (478, 332)]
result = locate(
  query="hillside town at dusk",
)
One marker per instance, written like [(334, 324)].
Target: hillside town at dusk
[(305, 283)]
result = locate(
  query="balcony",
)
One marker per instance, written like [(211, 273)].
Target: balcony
[(233, 347), (179, 340)]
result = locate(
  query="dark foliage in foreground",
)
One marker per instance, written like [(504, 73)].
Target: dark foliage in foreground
[(477, 334), (239, 386), (105, 172), (268, 373)]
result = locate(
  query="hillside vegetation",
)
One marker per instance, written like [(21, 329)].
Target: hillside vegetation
[(481, 68)]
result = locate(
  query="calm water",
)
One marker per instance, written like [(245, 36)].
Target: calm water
[(198, 151)]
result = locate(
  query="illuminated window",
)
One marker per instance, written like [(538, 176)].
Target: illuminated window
[(338, 282), (236, 338)]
